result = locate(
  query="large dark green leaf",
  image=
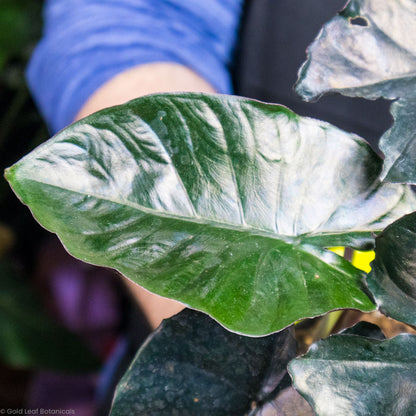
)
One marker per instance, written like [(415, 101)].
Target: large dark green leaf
[(393, 277), (29, 338), (346, 375), (369, 51), (192, 366), (222, 203)]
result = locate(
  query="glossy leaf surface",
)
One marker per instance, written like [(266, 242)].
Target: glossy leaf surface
[(192, 366), (222, 203), (393, 277), (30, 338), (346, 375), (369, 51)]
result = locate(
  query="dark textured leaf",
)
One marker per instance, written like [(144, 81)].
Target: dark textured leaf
[(393, 277), (369, 51), (222, 203), (29, 338), (346, 375), (191, 366)]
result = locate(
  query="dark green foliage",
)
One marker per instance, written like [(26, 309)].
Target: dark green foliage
[(228, 205), (393, 277), (347, 375), (193, 366)]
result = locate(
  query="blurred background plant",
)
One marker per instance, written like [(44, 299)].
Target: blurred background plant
[(54, 334), (21, 127), (20, 23)]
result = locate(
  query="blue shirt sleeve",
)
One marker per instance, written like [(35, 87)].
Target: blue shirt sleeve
[(87, 42)]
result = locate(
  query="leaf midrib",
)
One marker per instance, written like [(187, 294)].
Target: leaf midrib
[(294, 240), (169, 215)]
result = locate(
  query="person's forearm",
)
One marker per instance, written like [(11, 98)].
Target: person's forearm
[(88, 43), (144, 79)]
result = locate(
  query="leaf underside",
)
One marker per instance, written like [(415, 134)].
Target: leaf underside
[(347, 375), (392, 280), (373, 58), (223, 203), (192, 366)]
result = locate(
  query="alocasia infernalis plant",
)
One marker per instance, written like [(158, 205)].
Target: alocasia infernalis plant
[(229, 205)]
